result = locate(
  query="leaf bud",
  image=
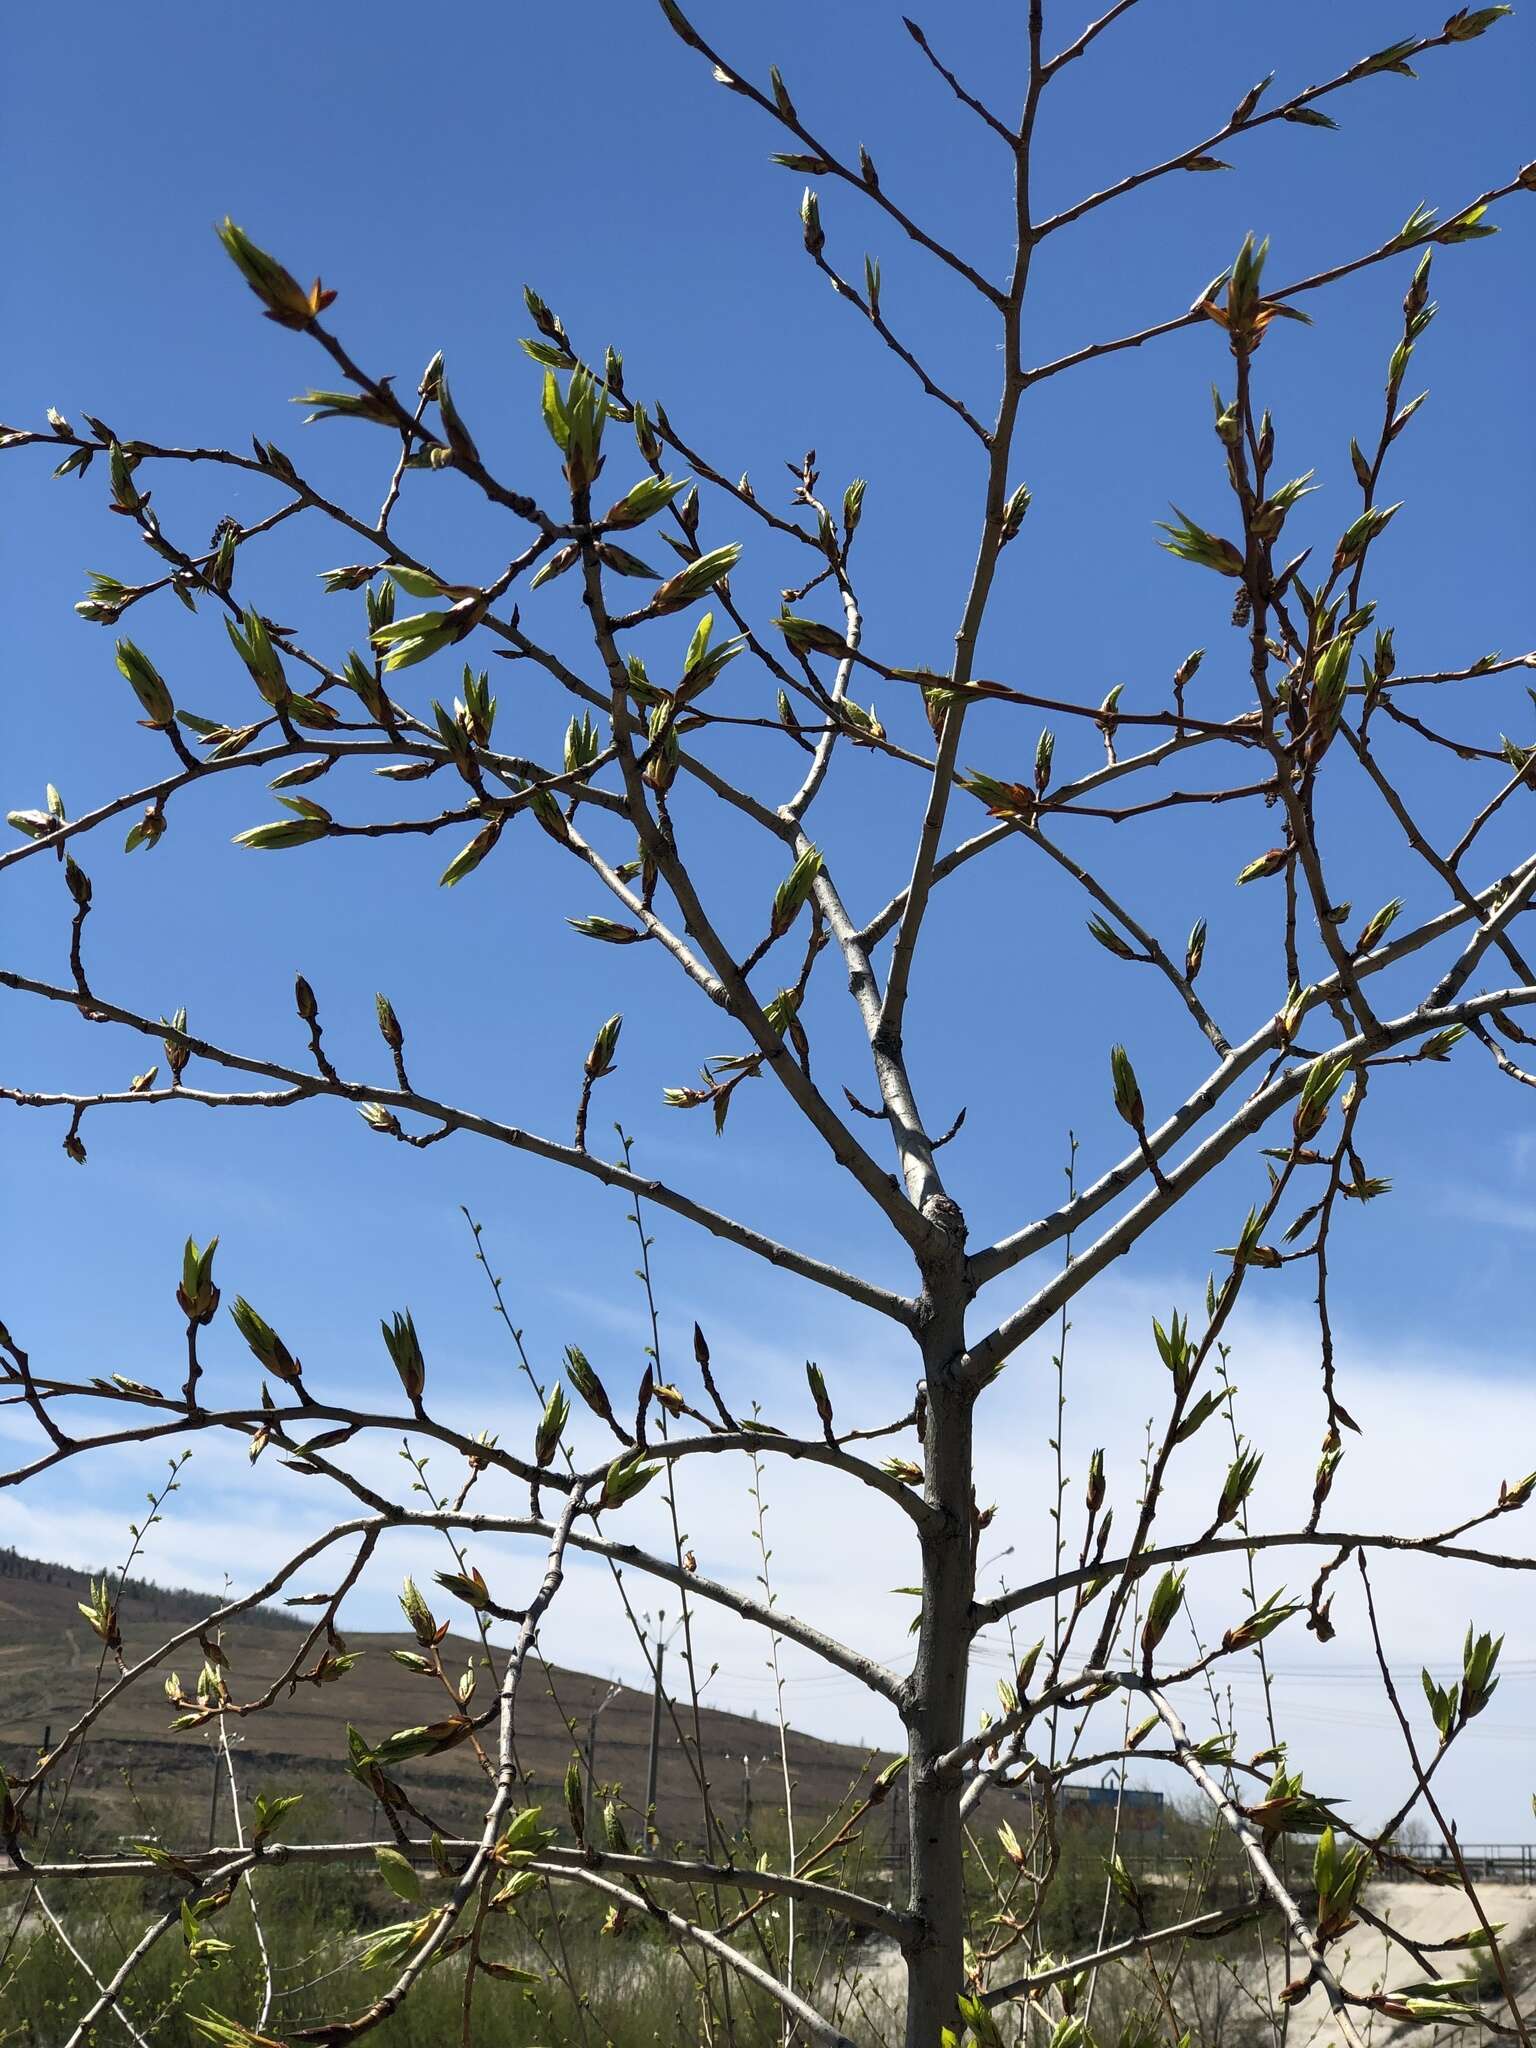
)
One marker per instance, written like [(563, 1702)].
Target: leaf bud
[(404, 1348)]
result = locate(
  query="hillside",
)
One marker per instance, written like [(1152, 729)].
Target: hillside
[(48, 1662)]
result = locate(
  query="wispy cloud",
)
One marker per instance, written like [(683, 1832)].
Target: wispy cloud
[(1482, 1205)]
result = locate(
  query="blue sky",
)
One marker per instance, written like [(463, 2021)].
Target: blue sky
[(428, 182)]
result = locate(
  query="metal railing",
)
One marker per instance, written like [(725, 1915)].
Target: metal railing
[(1507, 1862), (1485, 1862)]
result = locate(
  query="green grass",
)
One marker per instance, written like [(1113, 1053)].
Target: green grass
[(632, 1988), (635, 1988), (621, 1987)]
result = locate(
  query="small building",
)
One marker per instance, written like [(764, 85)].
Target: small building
[(1141, 1812)]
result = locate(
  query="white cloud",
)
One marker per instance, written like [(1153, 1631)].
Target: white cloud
[(1439, 1433)]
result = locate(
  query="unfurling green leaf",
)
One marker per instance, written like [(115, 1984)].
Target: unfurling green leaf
[(405, 1354), (402, 1877), (794, 892), (283, 833), (625, 1477), (644, 500), (1317, 1092), (599, 1060), (551, 1426), (283, 297), (586, 1382), (1267, 864), (1192, 543), (264, 1341), (810, 636), (1167, 1598), (1100, 929), (147, 684), (696, 581), (469, 858), (1126, 1090)]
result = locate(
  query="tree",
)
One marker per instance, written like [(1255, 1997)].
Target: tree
[(675, 667)]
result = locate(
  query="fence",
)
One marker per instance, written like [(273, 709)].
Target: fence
[(1485, 1862)]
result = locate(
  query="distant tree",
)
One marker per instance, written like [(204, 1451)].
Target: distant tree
[(676, 664)]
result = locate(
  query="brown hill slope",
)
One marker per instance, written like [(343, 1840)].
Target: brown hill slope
[(48, 1675)]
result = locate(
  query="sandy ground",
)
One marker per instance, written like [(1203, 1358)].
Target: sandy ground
[(1366, 1960)]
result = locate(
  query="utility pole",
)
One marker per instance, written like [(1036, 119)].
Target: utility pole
[(652, 1761), (594, 1815), (657, 1697), (213, 1801)]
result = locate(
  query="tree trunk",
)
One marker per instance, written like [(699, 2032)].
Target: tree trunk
[(936, 1710)]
